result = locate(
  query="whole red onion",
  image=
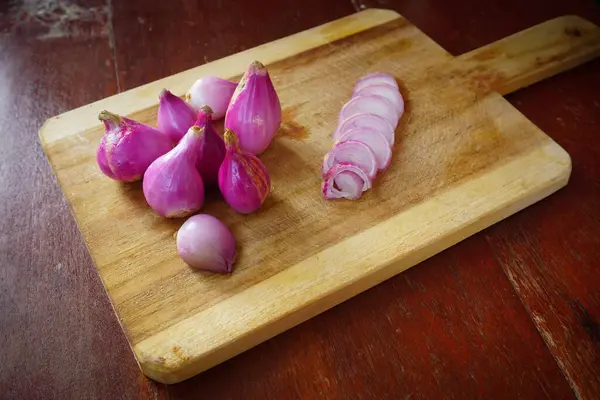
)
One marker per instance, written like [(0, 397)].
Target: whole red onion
[(254, 112), (243, 179), (212, 148), (175, 116), (211, 91), (172, 185), (129, 147), (206, 243)]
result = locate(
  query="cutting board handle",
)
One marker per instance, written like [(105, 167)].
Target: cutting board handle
[(529, 56)]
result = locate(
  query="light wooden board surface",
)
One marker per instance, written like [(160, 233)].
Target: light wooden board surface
[(464, 159)]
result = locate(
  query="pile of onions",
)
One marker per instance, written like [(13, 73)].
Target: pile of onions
[(364, 137), (185, 152)]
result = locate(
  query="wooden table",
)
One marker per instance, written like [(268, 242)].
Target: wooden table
[(509, 313)]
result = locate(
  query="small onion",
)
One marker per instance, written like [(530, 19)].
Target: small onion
[(128, 147), (175, 116), (213, 92), (172, 185), (254, 112), (205, 243), (244, 180), (212, 149)]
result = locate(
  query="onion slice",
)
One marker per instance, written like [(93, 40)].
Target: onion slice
[(352, 151), (390, 93), (366, 120), (375, 79), (376, 142), (349, 182), (370, 104), (345, 180)]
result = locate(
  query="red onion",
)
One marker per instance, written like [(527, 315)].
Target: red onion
[(345, 180), (351, 151), (102, 161), (172, 185), (212, 149), (376, 142), (243, 179), (175, 116), (370, 104), (367, 121), (389, 92), (375, 79), (128, 147), (254, 112), (213, 92), (205, 243)]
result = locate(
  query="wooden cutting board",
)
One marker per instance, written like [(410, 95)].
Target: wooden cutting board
[(464, 159)]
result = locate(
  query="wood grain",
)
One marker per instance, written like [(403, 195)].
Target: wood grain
[(496, 156), (419, 335), (553, 277), (56, 322), (551, 253), (569, 41), (318, 358)]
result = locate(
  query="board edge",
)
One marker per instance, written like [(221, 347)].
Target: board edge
[(156, 364), (146, 95)]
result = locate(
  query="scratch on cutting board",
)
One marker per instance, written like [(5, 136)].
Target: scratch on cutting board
[(54, 19)]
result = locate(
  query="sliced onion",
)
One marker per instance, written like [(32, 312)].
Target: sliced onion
[(370, 104), (349, 182), (375, 79), (390, 93), (345, 180), (366, 120), (376, 142), (352, 151)]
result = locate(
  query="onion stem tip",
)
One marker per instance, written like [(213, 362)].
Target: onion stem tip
[(206, 109), (108, 116)]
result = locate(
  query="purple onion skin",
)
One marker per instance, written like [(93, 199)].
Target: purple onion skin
[(211, 91), (102, 161), (243, 179), (172, 185), (129, 147), (175, 116), (212, 148), (206, 243), (254, 112)]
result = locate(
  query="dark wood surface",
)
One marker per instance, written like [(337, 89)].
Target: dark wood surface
[(510, 313)]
